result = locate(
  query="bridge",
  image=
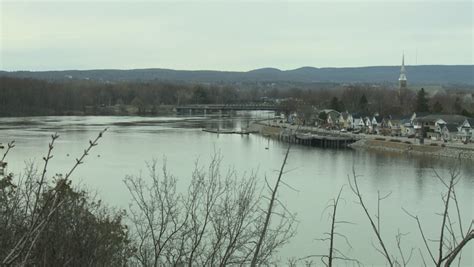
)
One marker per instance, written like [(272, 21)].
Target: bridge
[(225, 107)]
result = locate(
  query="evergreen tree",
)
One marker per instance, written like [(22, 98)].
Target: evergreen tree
[(323, 116), (466, 113), (457, 106), (437, 107), (334, 103), (363, 104), (421, 101)]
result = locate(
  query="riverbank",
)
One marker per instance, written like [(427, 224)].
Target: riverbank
[(375, 142), (116, 110), (432, 149)]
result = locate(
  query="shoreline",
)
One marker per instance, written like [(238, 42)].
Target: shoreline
[(378, 142)]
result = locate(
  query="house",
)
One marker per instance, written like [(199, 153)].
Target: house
[(407, 128), (466, 130), (332, 117), (392, 124), (386, 122), (376, 123), (346, 120), (368, 124), (359, 124), (450, 132), (430, 125)]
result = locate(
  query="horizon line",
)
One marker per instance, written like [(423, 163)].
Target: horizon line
[(215, 70)]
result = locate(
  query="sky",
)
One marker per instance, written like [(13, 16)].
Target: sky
[(233, 35)]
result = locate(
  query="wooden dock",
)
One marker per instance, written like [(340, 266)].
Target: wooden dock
[(316, 140), (227, 131)]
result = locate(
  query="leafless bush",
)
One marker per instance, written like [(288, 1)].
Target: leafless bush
[(47, 222), (217, 222), (453, 236)]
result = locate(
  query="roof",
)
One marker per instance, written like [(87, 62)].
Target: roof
[(449, 119), (345, 115), (419, 114), (471, 122), (451, 127), (333, 116), (378, 118), (329, 110)]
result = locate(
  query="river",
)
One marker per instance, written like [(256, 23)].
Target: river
[(315, 174)]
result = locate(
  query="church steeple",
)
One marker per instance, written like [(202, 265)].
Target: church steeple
[(403, 78)]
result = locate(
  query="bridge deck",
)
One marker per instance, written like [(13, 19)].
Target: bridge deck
[(228, 107)]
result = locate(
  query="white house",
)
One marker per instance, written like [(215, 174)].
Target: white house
[(449, 132), (368, 124), (466, 130), (359, 123), (346, 121)]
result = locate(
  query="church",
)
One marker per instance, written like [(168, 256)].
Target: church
[(403, 77)]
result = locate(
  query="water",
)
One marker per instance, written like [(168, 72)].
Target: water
[(316, 174)]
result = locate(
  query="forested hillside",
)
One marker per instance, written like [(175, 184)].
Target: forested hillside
[(429, 74)]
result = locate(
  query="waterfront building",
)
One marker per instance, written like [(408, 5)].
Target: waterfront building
[(346, 120), (433, 124), (466, 130), (450, 132)]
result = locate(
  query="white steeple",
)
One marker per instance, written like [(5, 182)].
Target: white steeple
[(403, 76), (402, 81)]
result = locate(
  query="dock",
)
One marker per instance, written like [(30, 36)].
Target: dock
[(317, 140), (227, 131)]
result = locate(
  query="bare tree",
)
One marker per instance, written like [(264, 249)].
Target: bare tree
[(215, 223), (375, 227), (333, 253), (451, 240)]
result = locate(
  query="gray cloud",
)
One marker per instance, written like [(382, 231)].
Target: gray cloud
[(233, 36)]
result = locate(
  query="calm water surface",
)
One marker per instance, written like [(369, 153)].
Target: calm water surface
[(316, 174)]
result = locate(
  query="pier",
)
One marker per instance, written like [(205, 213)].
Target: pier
[(227, 131), (316, 140)]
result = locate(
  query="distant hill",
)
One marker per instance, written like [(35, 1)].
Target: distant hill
[(427, 74)]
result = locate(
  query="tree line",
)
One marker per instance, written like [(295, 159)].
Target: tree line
[(26, 97), (40, 97)]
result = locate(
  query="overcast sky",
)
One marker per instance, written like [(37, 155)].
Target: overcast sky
[(226, 35)]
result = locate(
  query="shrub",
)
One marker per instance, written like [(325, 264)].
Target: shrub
[(49, 222)]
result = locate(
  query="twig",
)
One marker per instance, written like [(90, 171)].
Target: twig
[(355, 188), (331, 246), (9, 147), (422, 234), (269, 211)]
